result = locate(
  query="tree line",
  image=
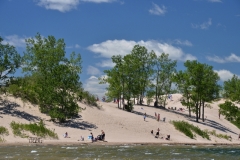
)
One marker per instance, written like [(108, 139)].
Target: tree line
[(144, 74), (52, 81)]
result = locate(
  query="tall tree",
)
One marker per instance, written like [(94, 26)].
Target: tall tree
[(57, 77), (10, 60), (203, 82), (164, 69)]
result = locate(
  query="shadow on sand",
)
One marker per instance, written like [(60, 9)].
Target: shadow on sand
[(9, 108), (211, 123)]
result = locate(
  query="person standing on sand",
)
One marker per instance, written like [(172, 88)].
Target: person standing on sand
[(144, 117)]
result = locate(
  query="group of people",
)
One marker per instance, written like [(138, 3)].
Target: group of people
[(157, 134), (100, 137)]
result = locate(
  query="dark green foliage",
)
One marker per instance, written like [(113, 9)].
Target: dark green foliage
[(3, 130), (36, 129), (10, 60), (232, 89), (187, 129), (231, 112)]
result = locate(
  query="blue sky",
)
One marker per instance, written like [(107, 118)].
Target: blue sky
[(205, 30)]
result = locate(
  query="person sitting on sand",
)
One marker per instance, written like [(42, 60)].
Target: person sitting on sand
[(151, 131), (168, 137), (157, 134), (65, 135), (101, 136), (238, 136)]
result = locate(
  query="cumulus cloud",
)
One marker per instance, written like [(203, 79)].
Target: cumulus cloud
[(156, 10), (15, 41), (224, 74), (231, 58), (204, 25), (60, 5), (99, 1), (92, 85), (93, 71), (122, 47), (215, 0)]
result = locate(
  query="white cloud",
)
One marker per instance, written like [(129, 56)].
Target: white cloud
[(185, 43), (122, 47), (92, 85), (93, 71), (99, 1), (106, 63), (15, 41), (60, 5), (231, 58), (224, 74), (204, 25), (215, 0), (156, 10)]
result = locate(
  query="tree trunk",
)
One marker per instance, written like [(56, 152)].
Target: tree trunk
[(196, 105), (156, 98), (203, 119)]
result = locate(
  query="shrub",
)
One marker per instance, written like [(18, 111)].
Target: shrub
[(3, 130), (36, 129)]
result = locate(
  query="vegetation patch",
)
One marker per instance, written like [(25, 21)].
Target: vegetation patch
[(3, 131), (36, 129), (224, 136), (187, 129)]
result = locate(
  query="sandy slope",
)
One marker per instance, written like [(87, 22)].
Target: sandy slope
[(120, 126)]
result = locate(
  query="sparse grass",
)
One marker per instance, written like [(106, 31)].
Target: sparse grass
[(2, 140), (224, 136), (36, 129), (187, 129)]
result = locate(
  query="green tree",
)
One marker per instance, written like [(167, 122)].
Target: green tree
[(57, 77), (10, 60), (202, 81), (164, 70), (232, 89)]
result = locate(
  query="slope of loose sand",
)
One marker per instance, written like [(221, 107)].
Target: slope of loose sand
[(120, 126)]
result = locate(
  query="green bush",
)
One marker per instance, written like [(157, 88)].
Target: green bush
[(3, 130), (36, 129), (224, 136)]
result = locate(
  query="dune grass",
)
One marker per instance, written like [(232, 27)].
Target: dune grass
[(36, 129), (3, 131), (224, 136), (188, 129)]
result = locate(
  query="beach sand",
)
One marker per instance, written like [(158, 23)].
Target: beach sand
[(120, 127)]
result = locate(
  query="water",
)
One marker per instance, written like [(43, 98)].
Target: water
[(166, 152)]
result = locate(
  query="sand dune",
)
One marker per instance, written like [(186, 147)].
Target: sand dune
[(120, 126)]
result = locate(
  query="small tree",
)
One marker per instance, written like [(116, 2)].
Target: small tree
[(10, 60)]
